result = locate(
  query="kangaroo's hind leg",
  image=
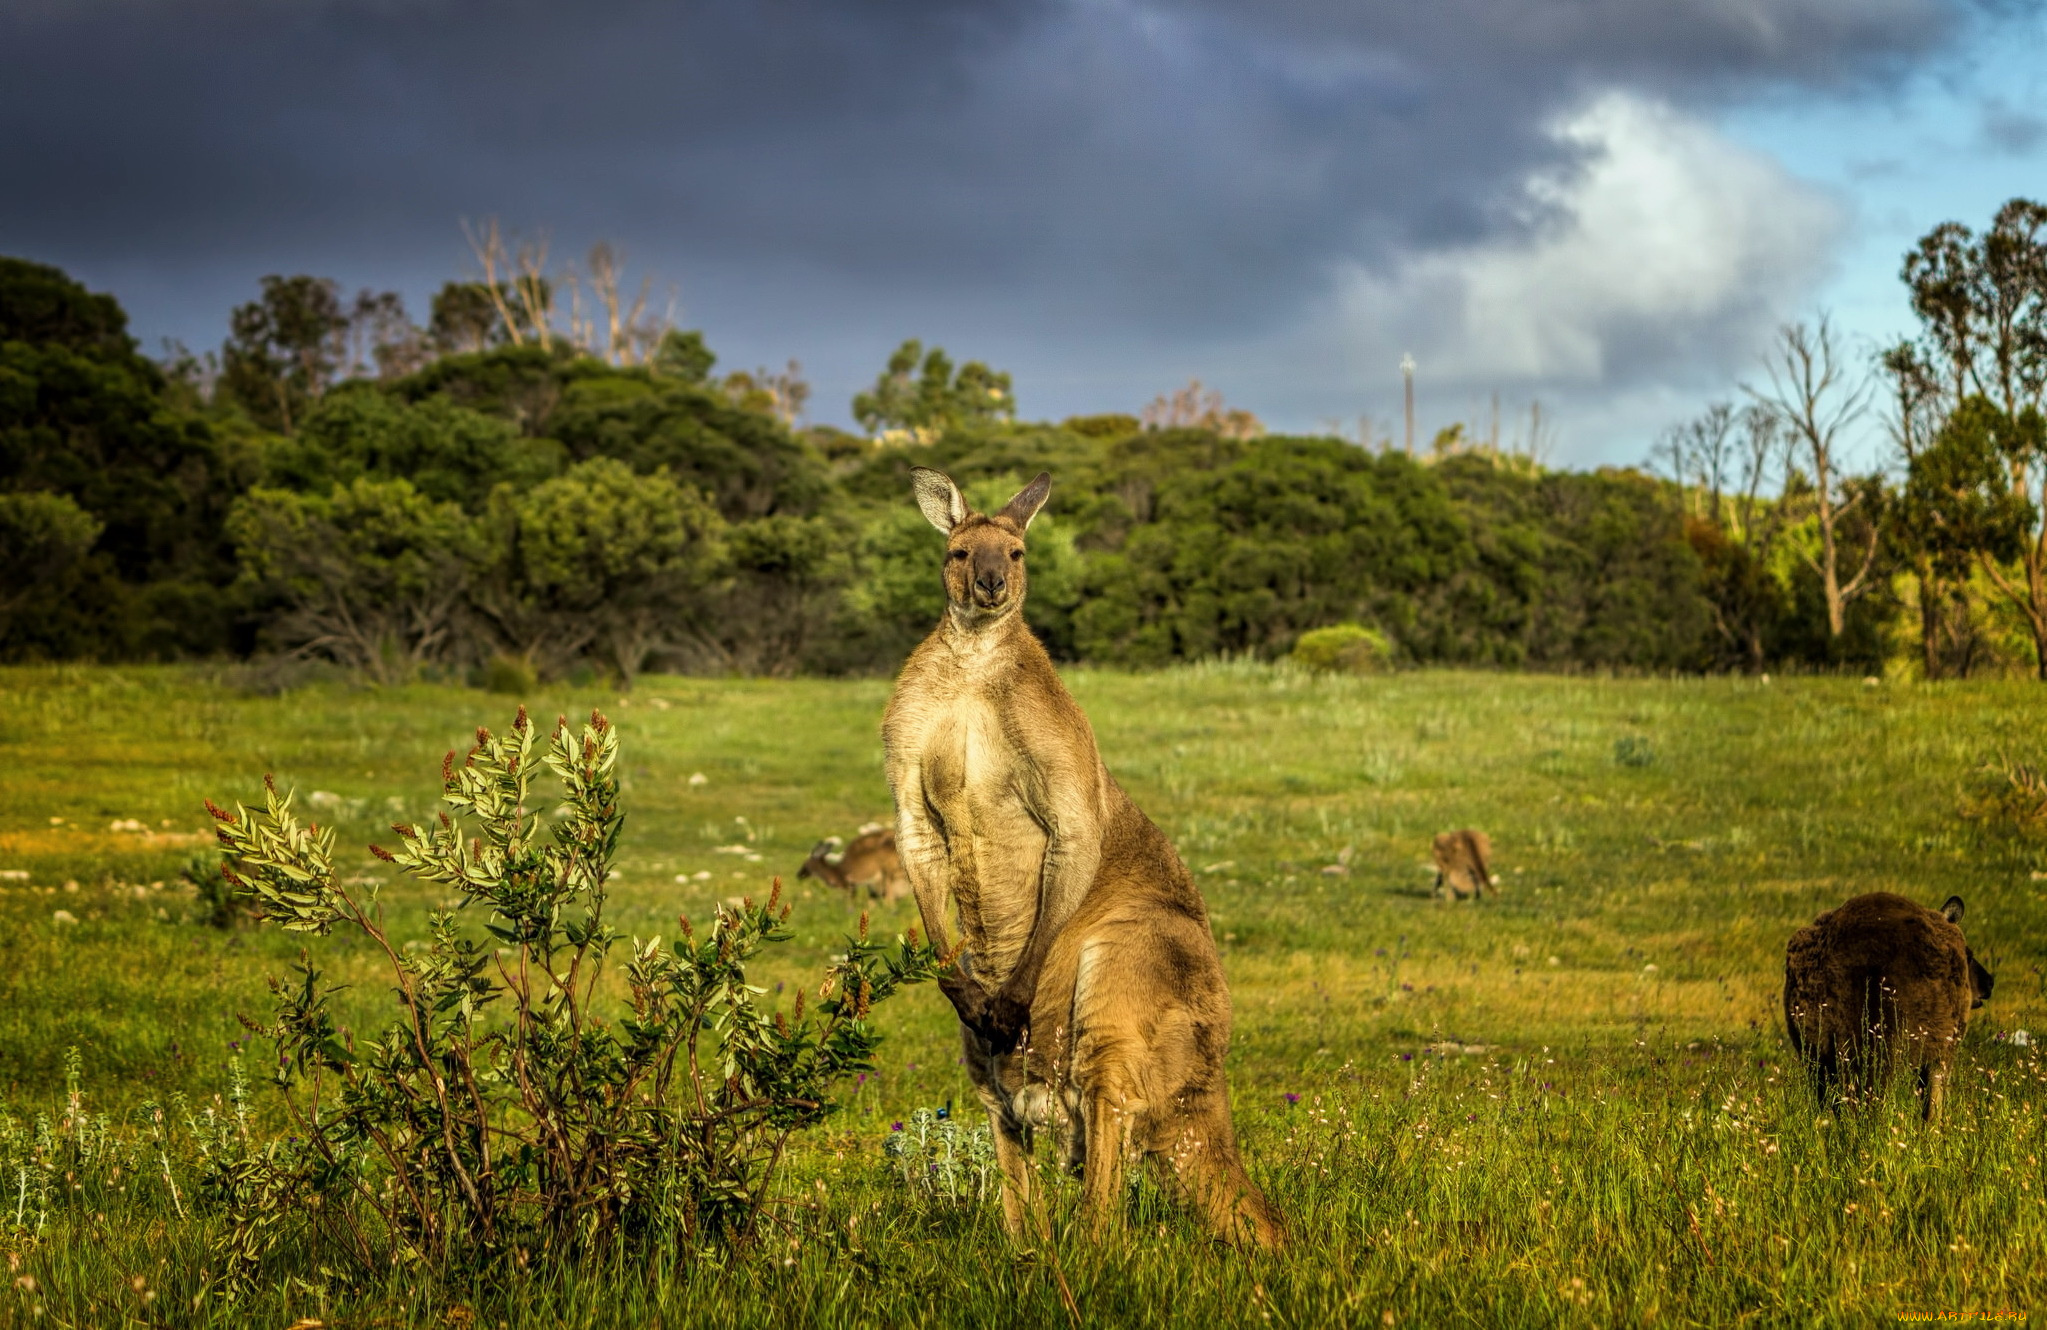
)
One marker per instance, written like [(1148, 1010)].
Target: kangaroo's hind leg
[(1202, 1152), (997, 1081)]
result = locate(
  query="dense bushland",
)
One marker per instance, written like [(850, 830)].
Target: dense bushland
[(486, 499)]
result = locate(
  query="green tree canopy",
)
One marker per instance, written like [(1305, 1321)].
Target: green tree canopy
[(921, 391)]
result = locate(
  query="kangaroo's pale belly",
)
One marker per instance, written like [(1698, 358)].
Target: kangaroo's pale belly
[(994, 845)]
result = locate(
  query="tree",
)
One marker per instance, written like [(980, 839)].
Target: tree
[(383, 341), (1722, 460), (684, 356), (1982, 307), (781, 395), (449, 453), (1917, 408), (1811, 393), (603, 560), (42, 536), (920, 393), (1966, 487), (523, 295), (373, 575), (285, 347), (465, 318), (84, 416), (1196, 407)]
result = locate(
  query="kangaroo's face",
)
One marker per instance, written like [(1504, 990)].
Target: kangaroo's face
[(984, 566), (984, 555)]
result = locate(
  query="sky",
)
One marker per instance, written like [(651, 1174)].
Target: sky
[(1601, 206)]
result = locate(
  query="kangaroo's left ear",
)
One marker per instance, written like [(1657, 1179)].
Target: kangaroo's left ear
[(1953, 909), (1028, 500)]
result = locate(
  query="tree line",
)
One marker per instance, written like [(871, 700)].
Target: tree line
[(550, 478)]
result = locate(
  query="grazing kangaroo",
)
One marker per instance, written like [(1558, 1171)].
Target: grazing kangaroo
[(1463, 864), (1879, 974), (870, 861), (1080, 926)]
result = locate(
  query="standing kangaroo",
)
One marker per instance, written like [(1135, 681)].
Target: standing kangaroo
[(1079, 923)]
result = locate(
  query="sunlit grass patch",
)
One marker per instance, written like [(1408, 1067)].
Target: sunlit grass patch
[(1572, 1104)]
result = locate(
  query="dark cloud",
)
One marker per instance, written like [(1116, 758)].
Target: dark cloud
[(2007, 129), (1071, 179)]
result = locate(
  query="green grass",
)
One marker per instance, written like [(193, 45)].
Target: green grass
[(1571, 1104)]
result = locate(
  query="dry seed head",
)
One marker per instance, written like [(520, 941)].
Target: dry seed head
[(383, 854), (448, 768), (520, 722), (597, 721), (219, 814)]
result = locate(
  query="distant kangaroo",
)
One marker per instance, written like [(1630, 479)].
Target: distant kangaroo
[(870, 861), (1879, 976), (1080, 924), (1463, 866)]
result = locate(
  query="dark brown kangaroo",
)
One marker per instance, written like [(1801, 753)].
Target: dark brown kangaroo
[(1080, 926), (1879, 976)]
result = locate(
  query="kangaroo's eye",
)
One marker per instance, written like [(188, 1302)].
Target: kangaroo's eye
[(1016, 555), (956, 555)]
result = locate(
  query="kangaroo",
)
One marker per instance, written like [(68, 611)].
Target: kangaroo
[(870, 861), (1877, 973), (1462, 864), (1089, 992)]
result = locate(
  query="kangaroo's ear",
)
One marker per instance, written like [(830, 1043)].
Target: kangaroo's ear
[(1953, 909), (1028, 500), (938, 497)]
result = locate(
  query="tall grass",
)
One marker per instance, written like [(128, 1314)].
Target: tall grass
[(1570, 1105)]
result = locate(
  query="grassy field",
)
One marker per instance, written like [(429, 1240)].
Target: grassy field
[(1571, 1104)]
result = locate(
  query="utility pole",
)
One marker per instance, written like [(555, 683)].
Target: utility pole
[(1407, 374)]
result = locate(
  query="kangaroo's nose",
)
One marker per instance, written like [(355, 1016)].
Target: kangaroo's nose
[(990, 584)]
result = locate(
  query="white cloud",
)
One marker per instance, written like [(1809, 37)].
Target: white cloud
[(1666, 252)]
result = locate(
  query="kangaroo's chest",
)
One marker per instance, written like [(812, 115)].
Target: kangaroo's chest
[(981, 785)]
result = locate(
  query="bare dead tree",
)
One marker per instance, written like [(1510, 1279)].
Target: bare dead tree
[(1812, 393), (488, 244), (535, 291), (1699, 456), (1196, 407)]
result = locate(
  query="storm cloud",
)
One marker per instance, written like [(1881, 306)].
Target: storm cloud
[(1104, 195)]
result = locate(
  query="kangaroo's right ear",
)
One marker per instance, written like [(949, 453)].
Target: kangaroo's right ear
[(1953, 909), (1028, 500), (938, 497)]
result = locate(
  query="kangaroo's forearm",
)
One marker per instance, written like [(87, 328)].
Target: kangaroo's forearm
[(922, 850), (1069, 870)]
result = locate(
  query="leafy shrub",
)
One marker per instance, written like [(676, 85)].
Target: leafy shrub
[(506, 673), (1633, 751), (2010, 794), (570, 1123), (940, 1161), (218, 907), (1344, 648)]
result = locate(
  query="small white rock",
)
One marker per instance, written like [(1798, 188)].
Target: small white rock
[(699, 778), (63, 917)]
